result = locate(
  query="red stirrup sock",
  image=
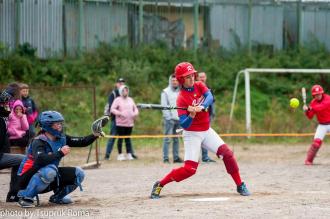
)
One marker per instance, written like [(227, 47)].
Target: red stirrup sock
[(229, 160), (180, 173), (167, 179), (237, 178)]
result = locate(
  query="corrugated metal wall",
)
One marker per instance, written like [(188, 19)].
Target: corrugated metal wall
[(41, 26), (7, 23), (109, 23), (230, 23), (54, 27), (315, 24), (102, 22)]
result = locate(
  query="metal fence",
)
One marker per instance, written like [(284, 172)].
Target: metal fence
[(60, 28)]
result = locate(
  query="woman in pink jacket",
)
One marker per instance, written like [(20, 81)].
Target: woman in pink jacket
[(18, 126), (125, 111)]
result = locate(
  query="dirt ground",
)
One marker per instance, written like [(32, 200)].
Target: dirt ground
[(282, 187)]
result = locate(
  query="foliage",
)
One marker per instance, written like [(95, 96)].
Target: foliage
[(147, 69)]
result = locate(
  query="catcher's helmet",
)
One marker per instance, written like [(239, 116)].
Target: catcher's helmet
[(46, 120), (184, 69), (317, 89)]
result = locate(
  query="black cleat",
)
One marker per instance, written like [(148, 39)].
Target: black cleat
[(12, 197), (26, 203), (156, 188), (62, 201), (134, 156), (166, 160)]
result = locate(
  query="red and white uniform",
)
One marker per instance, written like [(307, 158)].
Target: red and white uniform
[(186, 98), (198, 134), (322, 111)]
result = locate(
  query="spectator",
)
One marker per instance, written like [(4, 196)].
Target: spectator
[(30, 108), (125, 111), (202, 77), (113, 130), (8, 160), (170, 119), (14, 90), (18, 126)]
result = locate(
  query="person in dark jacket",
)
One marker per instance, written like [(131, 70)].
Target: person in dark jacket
[(39, 172), (7, 160)]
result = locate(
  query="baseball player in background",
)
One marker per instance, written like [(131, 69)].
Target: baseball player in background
[(197, 132), (319, 106)]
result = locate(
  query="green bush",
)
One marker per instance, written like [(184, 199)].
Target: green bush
[(147, 69)]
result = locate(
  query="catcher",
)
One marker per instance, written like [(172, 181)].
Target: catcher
[(39, 171)]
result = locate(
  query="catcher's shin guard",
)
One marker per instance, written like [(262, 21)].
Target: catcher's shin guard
[(39, 182), (313, 149)]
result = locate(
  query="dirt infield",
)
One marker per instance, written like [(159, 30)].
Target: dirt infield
[(282, 187)]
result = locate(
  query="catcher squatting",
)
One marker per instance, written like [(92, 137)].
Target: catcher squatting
[(39, 171)]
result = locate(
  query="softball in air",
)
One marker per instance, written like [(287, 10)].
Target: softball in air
[(294, 103)]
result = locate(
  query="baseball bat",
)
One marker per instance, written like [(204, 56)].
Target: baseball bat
[(303, 94), (158, 106)]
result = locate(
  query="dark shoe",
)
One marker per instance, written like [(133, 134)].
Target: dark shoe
[(166, 160), (106, 158), (134, 156), (63, 201), (11, 197), (26, 203), (208, 160), (178, 160), (156, 188), (242, 190)]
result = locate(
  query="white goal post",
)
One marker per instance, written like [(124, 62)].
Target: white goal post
[(246, 73)]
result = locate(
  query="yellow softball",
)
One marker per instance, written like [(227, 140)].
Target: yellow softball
[(294, 103)]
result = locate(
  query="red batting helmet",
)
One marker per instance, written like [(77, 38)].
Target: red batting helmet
[(317, 89), (184, 69)]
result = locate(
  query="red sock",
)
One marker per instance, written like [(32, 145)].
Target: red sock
[(167, 179), (237, 178), (180, 173)]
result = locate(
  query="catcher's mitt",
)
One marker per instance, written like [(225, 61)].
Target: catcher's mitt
[(98, 124)]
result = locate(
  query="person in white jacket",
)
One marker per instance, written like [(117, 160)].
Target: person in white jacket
[(170, 119)]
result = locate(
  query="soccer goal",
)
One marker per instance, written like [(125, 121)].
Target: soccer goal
[(247, 73)]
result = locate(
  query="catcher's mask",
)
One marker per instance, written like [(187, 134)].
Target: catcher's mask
[(47, 119)]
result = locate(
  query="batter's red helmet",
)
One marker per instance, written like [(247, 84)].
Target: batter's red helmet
[(317, 89), (184, 69)]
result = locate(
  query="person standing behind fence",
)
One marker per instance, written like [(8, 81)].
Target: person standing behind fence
[(30, 108), (113, 130), (170, 119), (125, 110), (18, 126), (202, 77)]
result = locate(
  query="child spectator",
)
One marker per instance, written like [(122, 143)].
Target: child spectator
[(125, 111), (18, 126), (30, 108)]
